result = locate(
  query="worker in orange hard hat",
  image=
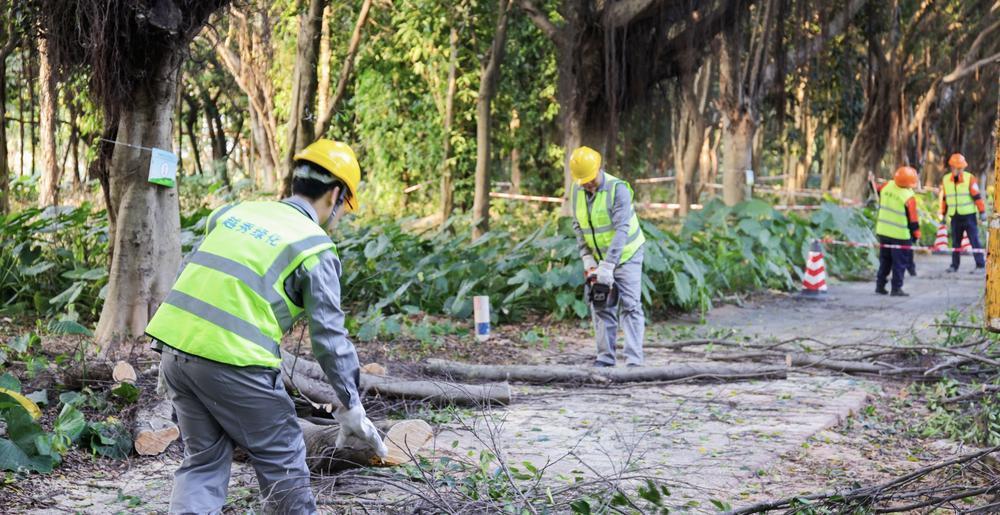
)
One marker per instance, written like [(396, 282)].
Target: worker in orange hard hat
[(961, 199), (897, 224)]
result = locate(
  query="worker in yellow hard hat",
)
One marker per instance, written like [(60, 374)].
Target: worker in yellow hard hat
[(961, 200), (260, 266), (610, 241), (898, 225)]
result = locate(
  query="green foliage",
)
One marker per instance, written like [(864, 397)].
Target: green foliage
[(52, 262)]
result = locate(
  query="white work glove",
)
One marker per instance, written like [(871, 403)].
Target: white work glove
[(606, 273), (982, 217), (354, 421), (589, 265)]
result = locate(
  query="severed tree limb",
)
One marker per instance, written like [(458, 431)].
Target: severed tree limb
[(872, 494), (403, 439), (85, 373), (308, 377), (572, 374), (154, 429)]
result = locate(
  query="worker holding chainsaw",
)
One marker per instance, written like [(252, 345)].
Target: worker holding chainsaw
[(610, 240), (260, 266)]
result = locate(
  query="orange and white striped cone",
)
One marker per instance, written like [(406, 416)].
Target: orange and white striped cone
[(814, 276), (966, 247), (941, 240)]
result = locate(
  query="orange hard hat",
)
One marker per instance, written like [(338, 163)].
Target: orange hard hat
[(906, 177), (957, 161)]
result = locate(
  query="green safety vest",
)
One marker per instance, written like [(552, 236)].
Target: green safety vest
[(892, 221), (598, 231), (957, 196), (229, 303)]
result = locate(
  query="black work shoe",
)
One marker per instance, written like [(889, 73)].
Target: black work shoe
[(633, 365), (951, 269), (913, 273), (899, 293), (881, 290), (601, 364)]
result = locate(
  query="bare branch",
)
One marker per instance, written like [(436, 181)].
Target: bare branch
[(345, 70), (959, 74), (540, 20)]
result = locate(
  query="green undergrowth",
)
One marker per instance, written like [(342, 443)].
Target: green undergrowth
[(54, 263)]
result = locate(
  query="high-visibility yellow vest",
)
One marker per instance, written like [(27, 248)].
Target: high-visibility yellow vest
[(598, 230), (229, 303), (958, 196), (892, 220)]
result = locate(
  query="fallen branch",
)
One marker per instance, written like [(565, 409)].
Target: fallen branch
[(308, 377), (580, 375), (403, 439), (870, 495)]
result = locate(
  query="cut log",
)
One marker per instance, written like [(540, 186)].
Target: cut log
[(374, 369), (403, 439), (123, 373), (154, 429), (571, 374), (85, 373), (308, 377)]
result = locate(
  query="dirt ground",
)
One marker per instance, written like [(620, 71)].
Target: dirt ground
[(737, 442)]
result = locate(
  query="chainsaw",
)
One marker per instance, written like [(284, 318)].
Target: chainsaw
[(599, 293)]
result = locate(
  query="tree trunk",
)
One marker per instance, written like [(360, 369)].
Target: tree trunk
[(48, 187), (515, 170), (302, 115), (146, 238), (190, 121), (487, 88), (688, 139), (447, 184), (831, 157), (739, 122), (5, 171), (737, 139)]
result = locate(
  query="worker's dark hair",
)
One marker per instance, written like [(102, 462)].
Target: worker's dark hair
[(311, 188)]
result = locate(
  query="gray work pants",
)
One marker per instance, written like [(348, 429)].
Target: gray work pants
[(624, 308), (218, 406)]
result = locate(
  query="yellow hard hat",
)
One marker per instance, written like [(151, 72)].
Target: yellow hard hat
[(338, 159), (584, 164)]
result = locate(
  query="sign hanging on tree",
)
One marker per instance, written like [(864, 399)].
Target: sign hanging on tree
[(163, 167)]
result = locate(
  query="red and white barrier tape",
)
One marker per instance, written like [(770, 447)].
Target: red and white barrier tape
[(831, 241)]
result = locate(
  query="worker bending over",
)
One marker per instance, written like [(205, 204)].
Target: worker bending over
[(960, 199), (610, 240), (898, 224), (260, 266)]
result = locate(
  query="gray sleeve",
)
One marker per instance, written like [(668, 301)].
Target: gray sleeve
[(319, 288), (580, 242), (621, 214)]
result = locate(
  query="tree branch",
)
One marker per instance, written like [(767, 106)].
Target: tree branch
[(345, 71), (959, 74), (540, 20), (798, 57)]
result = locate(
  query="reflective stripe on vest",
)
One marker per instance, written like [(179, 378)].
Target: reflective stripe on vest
[(892, 220), (229, 303), (958, 196), (595, 220)]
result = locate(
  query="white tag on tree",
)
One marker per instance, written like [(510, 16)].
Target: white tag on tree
[(163, 168), (750, 178)]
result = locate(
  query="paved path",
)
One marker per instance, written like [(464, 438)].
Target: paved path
[(711, 440)]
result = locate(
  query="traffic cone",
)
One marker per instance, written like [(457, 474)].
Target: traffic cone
[(966, 247), (814, 277), (941, 240)]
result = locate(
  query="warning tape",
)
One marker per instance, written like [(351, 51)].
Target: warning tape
[(831, 241)]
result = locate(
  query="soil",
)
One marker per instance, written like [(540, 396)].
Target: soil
[(736, 442)]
